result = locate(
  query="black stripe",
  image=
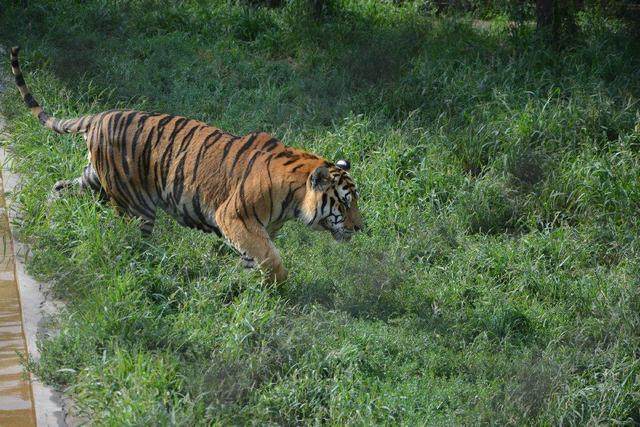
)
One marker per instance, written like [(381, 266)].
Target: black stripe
[(62, 125), (270, 144), (143, 166), (31, 103), (178, 181), (315, 214), (227, 147), (165, 160), (135, 199), (188, 220), (121, 196), (123, 125), (98, 143), (156, 183), (158, 167), (15, 63), (114, 119), (270, 185), (20, 80), (184, 143), (55, 125), (255, 214), (293, 160), (288, 154), (203, 148), (123, 141), (82, 124), (134, 145), (285, 203), (197, 209), (144, 160), (180, 124), (242, 149), (324, 202), (160, 126), (244, 180), (42, 116), (296, 168)]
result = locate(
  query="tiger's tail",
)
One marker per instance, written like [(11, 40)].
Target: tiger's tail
[(80, 124)]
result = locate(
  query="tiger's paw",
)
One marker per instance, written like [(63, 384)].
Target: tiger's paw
[(248, 262), (63, 185), (57, 190), (278, 275)]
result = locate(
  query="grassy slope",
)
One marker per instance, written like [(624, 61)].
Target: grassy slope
[(498, 280)]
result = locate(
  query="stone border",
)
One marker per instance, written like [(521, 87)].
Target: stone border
[(37, 306)]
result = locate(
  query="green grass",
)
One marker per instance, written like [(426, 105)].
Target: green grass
[(498, 279)]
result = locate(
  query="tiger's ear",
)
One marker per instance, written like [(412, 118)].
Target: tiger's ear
[(343, 164), (319, 178)]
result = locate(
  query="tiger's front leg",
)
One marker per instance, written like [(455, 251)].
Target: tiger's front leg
[(253, 242)]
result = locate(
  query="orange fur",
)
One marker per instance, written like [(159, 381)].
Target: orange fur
[(243, 188)]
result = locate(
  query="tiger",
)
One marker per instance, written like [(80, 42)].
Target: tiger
[(242, 188)]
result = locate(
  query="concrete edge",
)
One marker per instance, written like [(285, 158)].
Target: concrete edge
[(37, 306), (37, 311)]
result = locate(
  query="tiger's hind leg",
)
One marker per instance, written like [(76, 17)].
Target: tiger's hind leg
[(88, 179)]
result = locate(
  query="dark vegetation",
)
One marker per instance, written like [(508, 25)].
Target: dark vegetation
[(498, 280)]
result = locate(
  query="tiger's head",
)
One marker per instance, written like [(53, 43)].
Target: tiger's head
[(331, 201)]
